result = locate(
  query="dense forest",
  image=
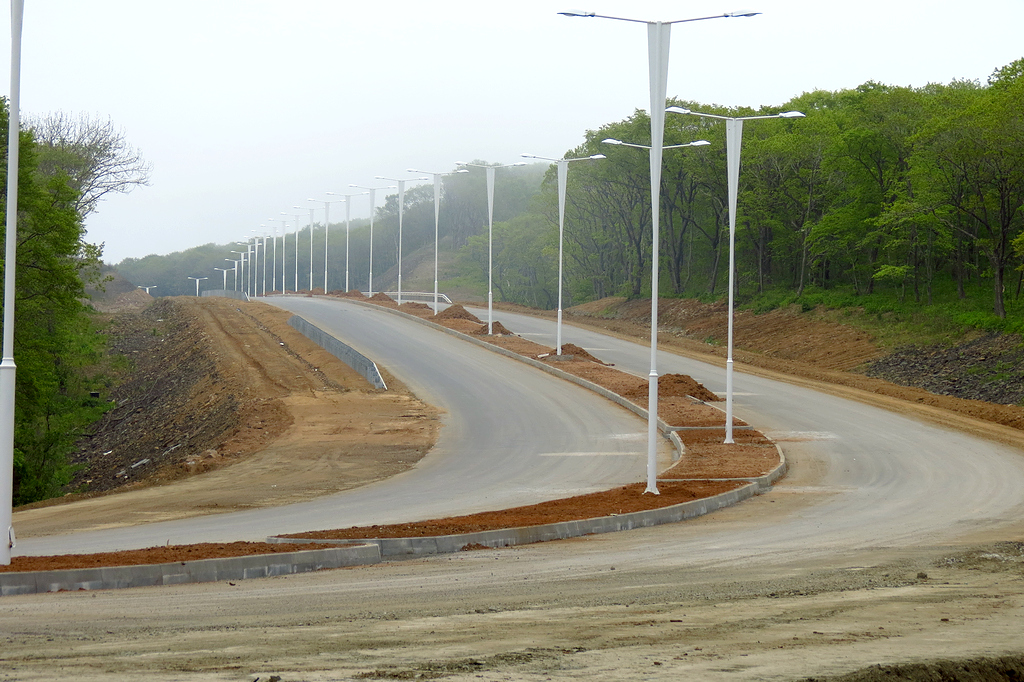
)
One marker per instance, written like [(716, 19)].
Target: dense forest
[(905, 191)]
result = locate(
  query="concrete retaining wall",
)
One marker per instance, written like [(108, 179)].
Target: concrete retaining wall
[(226, 293), (350, 356)]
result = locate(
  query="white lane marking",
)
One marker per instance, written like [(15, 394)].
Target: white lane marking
[(800, 436), (591, 454)]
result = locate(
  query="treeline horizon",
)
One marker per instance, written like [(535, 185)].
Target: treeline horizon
[(879, 188)]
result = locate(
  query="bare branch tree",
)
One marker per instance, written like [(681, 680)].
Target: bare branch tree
[(93, 153)]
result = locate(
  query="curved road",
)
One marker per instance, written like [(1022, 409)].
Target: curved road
[(512, 435), (874, 477)]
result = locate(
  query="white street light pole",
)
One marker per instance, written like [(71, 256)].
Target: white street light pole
[(348, 227), (225, 271), (733, 140), (284, 230), (437, 207), (240, 264), (311, 209), (489, 170), (296, 216), (401, 212), (7, 366), (265, 237), (563, 174), (658, 38), (327, 229), (198, 279), (372, 191), (151, 286)]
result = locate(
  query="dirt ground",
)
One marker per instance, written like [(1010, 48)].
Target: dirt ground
[(610, 614)]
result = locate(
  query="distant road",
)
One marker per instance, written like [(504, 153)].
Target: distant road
[(512, 435)]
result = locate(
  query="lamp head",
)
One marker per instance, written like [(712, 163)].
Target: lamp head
[(518, 163), (699, 143), (598, 156), (678, 110), (741, 13), (611, 140), (577, 13), (791, 114)]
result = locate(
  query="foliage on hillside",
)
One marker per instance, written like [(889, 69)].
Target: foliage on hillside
[(55, 340)]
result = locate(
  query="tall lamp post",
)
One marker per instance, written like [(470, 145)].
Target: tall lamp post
[(372, 191), (225, 271), (437, 207), (296, 216), (401, 212), (7, 366), (311, 209), (489, 170), (240, 264), (563, 173), (348, 226), (658, 35), (327, 229), (652, 386), (733, 142), (234, 269), (284, 230), (198, 279)]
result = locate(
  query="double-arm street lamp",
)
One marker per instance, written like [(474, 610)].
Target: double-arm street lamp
[(225, 271), (489, 170), (733, 140), (296, 216), (652, 385), (348, 229), (658, 38), (563, 174), (437, 207), (240, 264), (234, 269), (372, 191), (327, 228), (401, 211), (197, 279), (311, 209), (284, 230)]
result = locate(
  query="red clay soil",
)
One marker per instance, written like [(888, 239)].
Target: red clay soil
[(380, 298), (577, 353), (629, 498), (153, 555), (456, 312), (677, 386), (497, 329)]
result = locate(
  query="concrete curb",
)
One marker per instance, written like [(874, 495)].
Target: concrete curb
[(178, 573), (508, 537)]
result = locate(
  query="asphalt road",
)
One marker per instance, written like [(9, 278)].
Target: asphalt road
[(512, 435), (870, 477)]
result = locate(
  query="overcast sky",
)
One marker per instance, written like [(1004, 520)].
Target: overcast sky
[(246, 108)]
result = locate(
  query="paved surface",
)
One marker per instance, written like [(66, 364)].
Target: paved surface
[(512, 435), (880, 478)]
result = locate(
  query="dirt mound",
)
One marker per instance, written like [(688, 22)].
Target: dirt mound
[(674, 385), (497, 328), (457, 312), (352, 293), (380, 298), (577, 352), (1001, 669), (414, 307)]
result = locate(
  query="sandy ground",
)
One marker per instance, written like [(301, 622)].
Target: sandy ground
[(594, 607)]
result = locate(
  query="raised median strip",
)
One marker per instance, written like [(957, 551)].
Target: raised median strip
[(509, 537)]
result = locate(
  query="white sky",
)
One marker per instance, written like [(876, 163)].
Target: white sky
[(246, 108)]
